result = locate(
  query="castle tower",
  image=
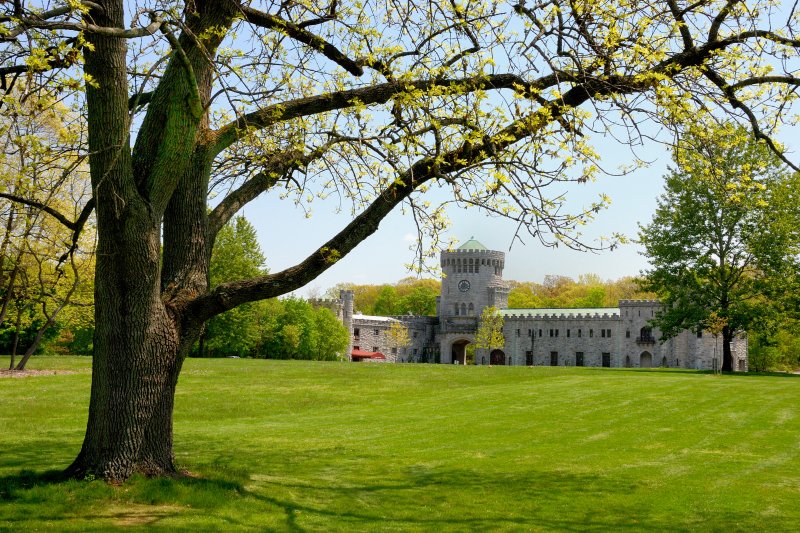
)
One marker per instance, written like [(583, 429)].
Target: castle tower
[(347, 298), (472, 279)]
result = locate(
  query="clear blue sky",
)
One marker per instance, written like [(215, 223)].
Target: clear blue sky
[(287, 236)]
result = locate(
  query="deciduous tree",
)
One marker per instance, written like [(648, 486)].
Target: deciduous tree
[(724, 236)]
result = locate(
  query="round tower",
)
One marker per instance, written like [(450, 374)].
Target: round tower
[(472, 279)]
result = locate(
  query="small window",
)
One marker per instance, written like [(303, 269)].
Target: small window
[(530, 332), (394, 351), (556, 333), (579, 333), (591, 333), (567, 332), (603, 333), (551, 332), (356, 347), (627, 334), (375, 349), (518, 333), (456, 309), (608, 333), (377, 332), (540, 334)]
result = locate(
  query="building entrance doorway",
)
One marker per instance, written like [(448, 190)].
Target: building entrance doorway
[(497, 357), (646, 360), (459, 352)]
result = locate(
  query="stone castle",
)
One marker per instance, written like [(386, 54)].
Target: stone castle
[(473, 280)]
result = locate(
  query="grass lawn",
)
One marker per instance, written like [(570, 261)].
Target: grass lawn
[(300, 446)]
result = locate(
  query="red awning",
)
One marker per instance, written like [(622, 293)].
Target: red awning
[(363, 354)]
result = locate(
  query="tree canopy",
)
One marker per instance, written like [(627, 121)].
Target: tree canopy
[(373, 102)]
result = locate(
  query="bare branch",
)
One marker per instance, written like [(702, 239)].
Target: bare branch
[(265, 20)]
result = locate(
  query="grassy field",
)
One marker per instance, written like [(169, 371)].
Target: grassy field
[(300, 446)]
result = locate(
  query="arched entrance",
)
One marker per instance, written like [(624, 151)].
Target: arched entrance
[(459, 352), (646, 360), (497, 357)]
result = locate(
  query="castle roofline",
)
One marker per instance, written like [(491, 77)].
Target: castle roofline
[(560, 312), (472, 244)]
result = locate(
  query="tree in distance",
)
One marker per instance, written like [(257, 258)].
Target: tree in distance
[(398, 337), (724, 237), (374, 102), (489, 335)]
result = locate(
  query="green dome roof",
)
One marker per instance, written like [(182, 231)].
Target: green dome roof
[(472, 244)]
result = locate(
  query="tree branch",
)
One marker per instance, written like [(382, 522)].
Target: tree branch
[(272, 22), (378, 94)]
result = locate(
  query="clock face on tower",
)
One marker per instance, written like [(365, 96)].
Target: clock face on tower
[(463, 285)]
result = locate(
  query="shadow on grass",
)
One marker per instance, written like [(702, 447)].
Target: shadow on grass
[(33, 500), (418, 498)]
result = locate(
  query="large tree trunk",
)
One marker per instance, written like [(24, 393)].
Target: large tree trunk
[(727, 355)]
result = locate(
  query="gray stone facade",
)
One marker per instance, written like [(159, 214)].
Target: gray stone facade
[(472, 279)]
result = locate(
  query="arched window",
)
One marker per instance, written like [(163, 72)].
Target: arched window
[(463, 309), (646, 333), (471, 310), (456, 306)]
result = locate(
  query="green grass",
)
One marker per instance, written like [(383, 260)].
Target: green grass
[(299, 446)]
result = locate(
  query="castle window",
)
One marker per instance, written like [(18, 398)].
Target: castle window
[(567, 332), (377, 332), (591, 333), (556, 332), (356, 347), (456, 309), (627, 334), (608, 333), (476, 267), (471, 309), (540, 334), (356, 333), (375, 349), (551, 332), (518, 333), (463, 309), (530, 332), (579, 333), (603, 333), (394, 351)]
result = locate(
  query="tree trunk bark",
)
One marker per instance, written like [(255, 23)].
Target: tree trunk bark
[(727, 355)]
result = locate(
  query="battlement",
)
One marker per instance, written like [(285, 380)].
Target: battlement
[(494, 253), (560, 316), (639, 302)]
